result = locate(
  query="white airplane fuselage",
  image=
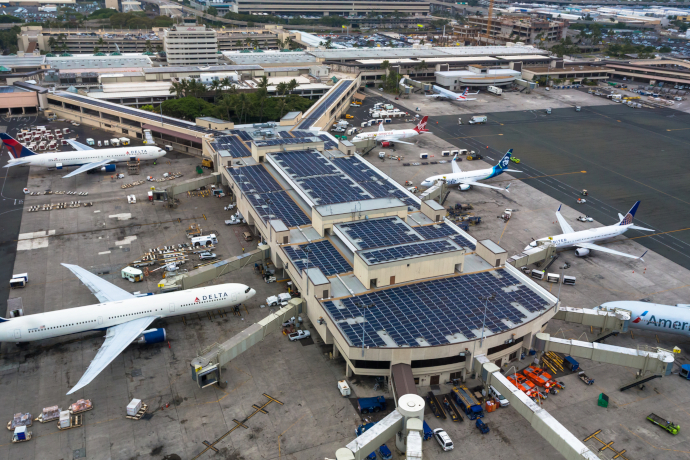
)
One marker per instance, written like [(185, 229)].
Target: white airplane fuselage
[(568, 240), (671, 319), (456, 178), (82, 157), (387, 135), (104, 315)]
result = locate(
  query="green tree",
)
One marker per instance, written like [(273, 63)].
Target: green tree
[(212, 11), (178, 88), (188, 108), (261, 95), (238, 43)]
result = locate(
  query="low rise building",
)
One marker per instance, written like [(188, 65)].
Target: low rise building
[(524, 29)]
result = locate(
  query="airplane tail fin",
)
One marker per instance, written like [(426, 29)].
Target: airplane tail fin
[(628, 219), (3, 320), (421, 127), (505, 161), (15, 149), (467, 90)]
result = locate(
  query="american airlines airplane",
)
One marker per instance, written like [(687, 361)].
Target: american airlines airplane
[(123, 316), (584, 239), (442, 92), (470, 178), (393, 135), (85, 156), (655, 317)]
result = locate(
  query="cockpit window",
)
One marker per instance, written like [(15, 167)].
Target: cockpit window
[(247, 291)]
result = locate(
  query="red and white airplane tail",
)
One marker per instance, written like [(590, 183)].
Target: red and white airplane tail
[(421, 127), (464, 94)]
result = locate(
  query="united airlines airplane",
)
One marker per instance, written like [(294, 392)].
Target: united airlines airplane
[(123, 316), (86, 157), (469, 178), (584, 240)]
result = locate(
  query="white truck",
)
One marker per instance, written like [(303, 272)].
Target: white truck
[(281, 299), (478, 119), (495, 89), (206, 240)]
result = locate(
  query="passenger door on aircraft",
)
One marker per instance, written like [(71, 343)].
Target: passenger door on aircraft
[(172, 308), (17, 334), (100, 320)]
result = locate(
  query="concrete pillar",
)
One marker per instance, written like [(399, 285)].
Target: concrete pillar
[(336, 352), (348, 370)]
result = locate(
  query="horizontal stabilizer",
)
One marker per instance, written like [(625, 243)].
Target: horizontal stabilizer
[(635, 227)]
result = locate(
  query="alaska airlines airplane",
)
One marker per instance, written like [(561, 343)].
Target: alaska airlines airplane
[(85, 156), (394, 135), (123, 316), (470, 178), (584, 239), (655, 317)]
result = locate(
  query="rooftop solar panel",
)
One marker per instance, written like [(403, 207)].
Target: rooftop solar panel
[(254, 179), (356, 169), (244, 135), (379, 232), (321, 254), (278, 205), (442, 230), (304, 163), (328, 144), (408, 251), (332, 189), (434, 310), (232, 144)]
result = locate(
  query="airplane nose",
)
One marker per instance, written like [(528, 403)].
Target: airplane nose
[(252, 293)]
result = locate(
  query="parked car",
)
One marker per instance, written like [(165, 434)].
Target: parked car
[(207, 255), (299, 335), (443, 439)]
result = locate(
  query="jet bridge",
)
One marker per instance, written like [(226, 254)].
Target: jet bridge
[(206, 367), (609, 322), (651, 363)]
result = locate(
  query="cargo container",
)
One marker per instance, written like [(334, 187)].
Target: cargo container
[(133, 407), (467, 402)]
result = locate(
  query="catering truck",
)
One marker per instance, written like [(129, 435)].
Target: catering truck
[(478, 119)]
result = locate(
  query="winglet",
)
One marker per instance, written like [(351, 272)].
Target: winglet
[(641, 257), (559, 208)]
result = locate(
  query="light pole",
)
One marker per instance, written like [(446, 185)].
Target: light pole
[(486, 304), (364, 315)]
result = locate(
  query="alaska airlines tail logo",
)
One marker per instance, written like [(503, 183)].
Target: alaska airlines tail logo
[(639, 318)]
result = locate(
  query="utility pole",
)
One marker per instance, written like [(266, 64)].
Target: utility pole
[(364, 315)]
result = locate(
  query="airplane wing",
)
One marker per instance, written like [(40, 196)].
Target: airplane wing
[(117, 338), (435, 95), (102, 289), (635, 227), (78, 145), (479, 184), (596, 247), (17, 163), (511, 170), (565, 226), (88, 166)]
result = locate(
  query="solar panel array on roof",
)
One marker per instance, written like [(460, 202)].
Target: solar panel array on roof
[(324, 104), (244, 135), (434, 310), (286, 141), (321, 254), (408, 251), (304, 163), (278, 205), (379, 232), (328, 144), (441, 230), (300, 134), (232, 144), (370, 180), (286, 134), (254, 179), (333, 189), (129, 111)]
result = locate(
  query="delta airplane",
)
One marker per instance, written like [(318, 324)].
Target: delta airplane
[(584, 239), (394, 135), (85, 156), (123, 316), (470, 178), (655, 317)]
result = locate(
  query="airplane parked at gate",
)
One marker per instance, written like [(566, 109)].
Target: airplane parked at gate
[(445, 93), (123, 316), (584, 240), (469, 178), (672, 319), (394, 135), (86, 157)]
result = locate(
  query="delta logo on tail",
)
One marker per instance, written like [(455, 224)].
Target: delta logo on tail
[(639, 318)]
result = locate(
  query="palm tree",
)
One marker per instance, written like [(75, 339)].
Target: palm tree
[(238, 43), (248, 42), (281, 88), (216, 86), (159, 48), (385, 65), (292, 85), (261, 94), (148, 47), (280, 44), (282, 104), (96, 50), (52, 43), (227, 83), (244, 104), (177, 88), (256, 44), (227, 103), (329, 44)]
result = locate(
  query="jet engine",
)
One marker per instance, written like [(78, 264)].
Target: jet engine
[(151, 336), (464, 187), (581, 252)]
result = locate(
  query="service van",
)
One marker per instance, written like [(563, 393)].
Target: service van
[(494, 393), (205, 240)]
